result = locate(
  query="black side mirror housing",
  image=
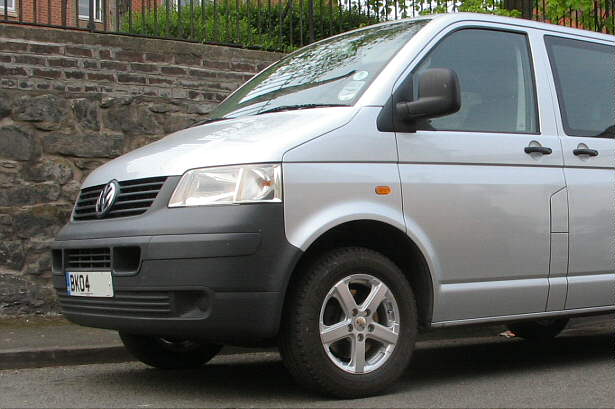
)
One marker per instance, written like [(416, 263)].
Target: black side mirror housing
[(438, 95)]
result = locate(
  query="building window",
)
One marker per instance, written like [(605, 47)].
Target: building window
[(84, 9), (8, 5)]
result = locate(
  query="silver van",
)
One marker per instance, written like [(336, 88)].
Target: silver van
[(424, 173)]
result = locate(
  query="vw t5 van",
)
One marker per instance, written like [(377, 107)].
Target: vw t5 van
[(416, 174)]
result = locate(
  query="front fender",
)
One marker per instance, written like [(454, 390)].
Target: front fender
[(320, 196)]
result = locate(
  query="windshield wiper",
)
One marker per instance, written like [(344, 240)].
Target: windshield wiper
[(297, 107)]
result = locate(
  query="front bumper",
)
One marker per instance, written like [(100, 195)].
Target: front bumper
[(217, 273)]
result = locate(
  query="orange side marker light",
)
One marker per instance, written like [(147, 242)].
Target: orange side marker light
[(383, 190)]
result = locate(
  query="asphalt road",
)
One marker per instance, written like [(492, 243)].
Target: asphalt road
[(574, 370)]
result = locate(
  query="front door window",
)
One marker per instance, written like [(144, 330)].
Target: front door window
[(496, 81)]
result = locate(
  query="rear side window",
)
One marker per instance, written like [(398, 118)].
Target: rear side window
[(585, 84), (496, 81)]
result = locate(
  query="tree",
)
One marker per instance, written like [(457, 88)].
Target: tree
[(598, 15)]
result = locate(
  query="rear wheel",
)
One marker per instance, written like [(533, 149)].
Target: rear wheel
[(350, 326), (169, 353), (540, 330)]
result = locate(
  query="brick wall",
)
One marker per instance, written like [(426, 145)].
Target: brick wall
[(69, 101)]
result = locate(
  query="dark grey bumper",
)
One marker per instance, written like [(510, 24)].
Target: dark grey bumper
[(217, 273)]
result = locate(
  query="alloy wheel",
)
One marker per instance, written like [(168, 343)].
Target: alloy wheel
[(359, 323)]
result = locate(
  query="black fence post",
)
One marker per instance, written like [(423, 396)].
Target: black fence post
[(612, 17), (290, 15), (300, 23), (116, 15), (155, 12), (167, 7), (322, 21), (238, 22), (91, 25), (280, 22), (192, 19), (330, 17), (524, 6), (104, 16), (596, 12), (248, 9), (204, 20), (215, 35), (311, 20), (258, 20), (143, 17), (227, 23), (130, 16)]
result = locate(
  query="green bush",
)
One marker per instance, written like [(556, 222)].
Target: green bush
[(273, 26)]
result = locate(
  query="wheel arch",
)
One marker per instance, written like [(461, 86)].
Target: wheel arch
[(386, 239)]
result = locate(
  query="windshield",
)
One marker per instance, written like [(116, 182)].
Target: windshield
[(334, 72)]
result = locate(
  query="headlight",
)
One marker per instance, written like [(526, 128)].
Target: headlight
[(229, 185)]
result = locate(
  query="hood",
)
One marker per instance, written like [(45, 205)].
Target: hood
[(251, 139)]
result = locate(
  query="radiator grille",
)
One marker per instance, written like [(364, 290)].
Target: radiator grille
[(134, 198), (78, 259), (123, 303)]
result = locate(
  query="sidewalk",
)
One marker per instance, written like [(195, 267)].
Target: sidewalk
[(35, 341), (32, 342)]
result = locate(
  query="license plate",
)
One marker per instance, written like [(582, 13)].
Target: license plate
[(89, 284)]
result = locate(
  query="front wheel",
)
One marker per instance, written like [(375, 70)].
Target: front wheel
[(350, 326), (539, 330), (169, 353)]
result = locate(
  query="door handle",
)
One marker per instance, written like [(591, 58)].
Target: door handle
[(589, 152), (538, 149)]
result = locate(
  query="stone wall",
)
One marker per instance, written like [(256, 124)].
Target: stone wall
[(69, 101)]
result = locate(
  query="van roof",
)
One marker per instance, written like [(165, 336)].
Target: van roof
[(462, 16), (449, 18)]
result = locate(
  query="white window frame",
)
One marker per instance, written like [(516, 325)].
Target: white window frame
[(10, 8), (97, 4)]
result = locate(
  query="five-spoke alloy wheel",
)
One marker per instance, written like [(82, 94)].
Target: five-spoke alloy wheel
[(350, 323), (359, 323)]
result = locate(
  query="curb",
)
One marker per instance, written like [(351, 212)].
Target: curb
[(22, 358), (100, 354), (37, 358)]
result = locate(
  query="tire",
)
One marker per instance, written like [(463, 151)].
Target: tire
[(314, 306), (541, 330), (165, 353)]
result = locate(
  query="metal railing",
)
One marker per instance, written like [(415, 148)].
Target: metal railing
[(280, 25)]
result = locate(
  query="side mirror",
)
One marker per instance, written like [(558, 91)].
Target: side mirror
[(438, 96)]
